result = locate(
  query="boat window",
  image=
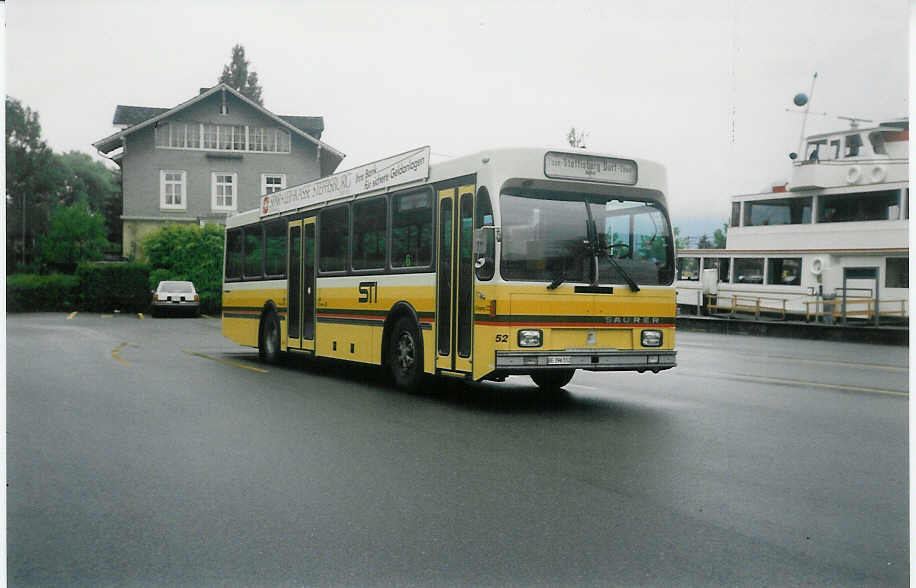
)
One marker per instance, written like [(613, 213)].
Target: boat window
[(862, 206), (688, 268), (749, 270), (897, 272), (853, 145), (720, 263), (781, 211), (834, 152), (736, 214), (877, 142), (784, 271), (816, 150)]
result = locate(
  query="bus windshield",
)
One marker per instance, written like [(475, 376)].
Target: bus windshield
[(556, 236)]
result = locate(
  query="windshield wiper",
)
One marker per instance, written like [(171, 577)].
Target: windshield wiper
[(626, 277), (572, 253)]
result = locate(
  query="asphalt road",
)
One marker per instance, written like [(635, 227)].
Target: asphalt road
[(154, 452)]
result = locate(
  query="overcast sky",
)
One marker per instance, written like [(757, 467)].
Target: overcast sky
[(701, 87)]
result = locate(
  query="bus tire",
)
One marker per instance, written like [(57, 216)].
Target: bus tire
[(553, 380), (269, 338), (405, 354)]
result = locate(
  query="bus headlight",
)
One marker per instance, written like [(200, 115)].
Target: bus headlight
[(530, 338), (651, 338)]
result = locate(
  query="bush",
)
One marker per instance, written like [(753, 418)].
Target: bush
[(188, 252), (34, 293), (114, 286)]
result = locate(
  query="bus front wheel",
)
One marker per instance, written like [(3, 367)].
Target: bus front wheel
[(553, 380), (405, 357), (269, 338)]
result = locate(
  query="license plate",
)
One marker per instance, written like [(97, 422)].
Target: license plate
[(558, 360)]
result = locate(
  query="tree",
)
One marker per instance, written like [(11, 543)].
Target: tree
[(680, 242), (32, 176), (236, 75), (87, 180), (74, 234), (719, 237), (576, 139), (705, 242)]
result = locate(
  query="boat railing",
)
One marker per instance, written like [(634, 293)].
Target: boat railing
[(856, 307), (748, 304)]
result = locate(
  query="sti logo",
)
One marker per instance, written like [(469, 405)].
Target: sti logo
[(265, 205)]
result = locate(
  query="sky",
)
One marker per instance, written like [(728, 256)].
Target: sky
[(701, 87)]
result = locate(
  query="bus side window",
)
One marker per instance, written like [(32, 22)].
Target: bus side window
[(334, 239), (412, 230), (485, 261), (234, 254), (254, 252)]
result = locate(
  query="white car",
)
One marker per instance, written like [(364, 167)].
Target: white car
[(175, 296)]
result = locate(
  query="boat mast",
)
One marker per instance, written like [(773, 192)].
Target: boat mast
[(801, 140)]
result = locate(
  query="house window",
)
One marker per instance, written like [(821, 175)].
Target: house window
[(224, 190), (271, 183), (172, 189), (182, 135)]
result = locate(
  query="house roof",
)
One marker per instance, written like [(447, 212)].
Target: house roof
[(139, 117), (132, 115)]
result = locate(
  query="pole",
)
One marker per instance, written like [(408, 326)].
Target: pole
[(801, 140)]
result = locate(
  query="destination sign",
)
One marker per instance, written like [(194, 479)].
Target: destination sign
[(386, 173), (576, 166)]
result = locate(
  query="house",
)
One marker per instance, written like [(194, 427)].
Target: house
[(208, 158)]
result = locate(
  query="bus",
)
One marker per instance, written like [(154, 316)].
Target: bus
[(518, 261)]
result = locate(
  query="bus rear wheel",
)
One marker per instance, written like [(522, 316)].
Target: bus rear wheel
[(405, 354), (553, 380), (269, 338)]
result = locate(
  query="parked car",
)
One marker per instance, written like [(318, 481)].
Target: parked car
[(174, 296)]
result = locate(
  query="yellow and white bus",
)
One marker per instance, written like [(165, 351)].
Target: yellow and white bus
[(511, 261)]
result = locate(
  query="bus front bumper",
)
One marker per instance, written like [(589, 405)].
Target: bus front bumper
[(596, 360)]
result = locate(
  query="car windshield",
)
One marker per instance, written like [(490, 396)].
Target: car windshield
[(176, 287), (554, 236)]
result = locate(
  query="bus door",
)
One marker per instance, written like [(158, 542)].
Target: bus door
[(300, 326), (455, 279)]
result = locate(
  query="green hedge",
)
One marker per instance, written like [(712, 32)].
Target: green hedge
[(114, 286), (34, 293), (192, 253)]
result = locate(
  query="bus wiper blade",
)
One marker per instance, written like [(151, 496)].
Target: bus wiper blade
[(626, 277)]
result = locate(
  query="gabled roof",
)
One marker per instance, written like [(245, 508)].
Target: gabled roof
[(132, 115), (140, 117)]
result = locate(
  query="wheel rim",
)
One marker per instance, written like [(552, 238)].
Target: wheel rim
[(405, 353)]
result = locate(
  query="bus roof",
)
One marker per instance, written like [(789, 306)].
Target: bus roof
[(493, 167)]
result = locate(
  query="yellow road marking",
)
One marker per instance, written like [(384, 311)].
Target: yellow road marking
[(207, 316), (226, 361), (71, 315), (117, 353), (107, 315), (771, 380)]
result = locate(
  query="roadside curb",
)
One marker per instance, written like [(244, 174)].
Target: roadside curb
[(796, 330)]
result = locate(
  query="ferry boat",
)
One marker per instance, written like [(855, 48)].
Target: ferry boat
[(830, 245)]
